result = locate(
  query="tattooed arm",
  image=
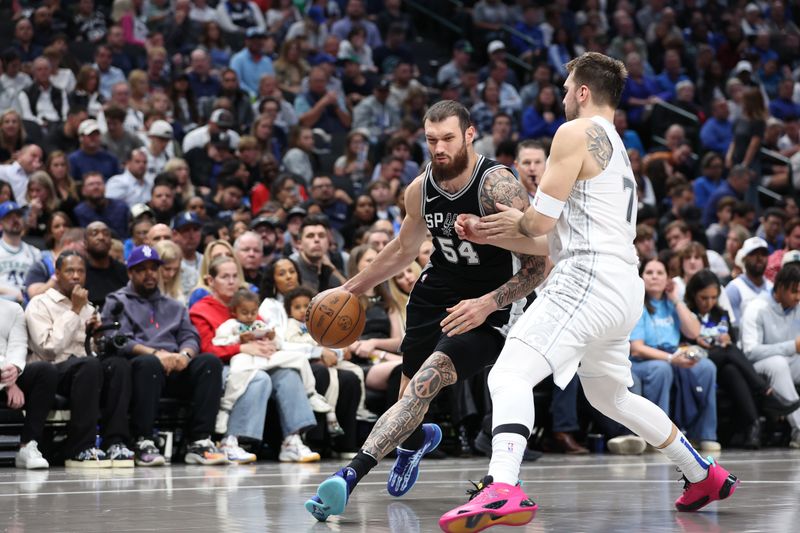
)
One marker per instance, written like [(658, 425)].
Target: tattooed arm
[(499, 188), (580, 149)]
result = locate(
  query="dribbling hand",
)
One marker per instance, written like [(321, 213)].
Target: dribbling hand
[(501, 225)]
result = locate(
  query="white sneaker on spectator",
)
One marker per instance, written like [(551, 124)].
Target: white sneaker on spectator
[(120, 456), (30, 457), (235, 454), (710, 446), (293, 450), (89, 458), (319, 404), (627, 445)]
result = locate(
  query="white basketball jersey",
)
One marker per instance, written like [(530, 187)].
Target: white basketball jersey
[(600, 214)]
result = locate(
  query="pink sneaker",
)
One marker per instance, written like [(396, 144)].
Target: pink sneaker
[(490, 504), (718, 485)]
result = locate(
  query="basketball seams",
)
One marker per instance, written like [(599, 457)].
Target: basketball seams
[(335, 314)]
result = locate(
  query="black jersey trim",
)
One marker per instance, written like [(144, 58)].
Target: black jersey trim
[(456, 195)]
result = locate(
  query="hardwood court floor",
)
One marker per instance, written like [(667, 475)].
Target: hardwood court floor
[(596, 493)]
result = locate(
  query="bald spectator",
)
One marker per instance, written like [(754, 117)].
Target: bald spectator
[(203, 83), (322, 108), (96, 207), (158, 233), (104, 275), (26, 161), (42, 102), (249, 250)]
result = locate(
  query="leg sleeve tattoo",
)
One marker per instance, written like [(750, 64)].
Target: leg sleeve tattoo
[(402, 418)]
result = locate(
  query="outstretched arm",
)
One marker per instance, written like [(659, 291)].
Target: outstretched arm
[(563, 168), (400, 251), (500, 188)]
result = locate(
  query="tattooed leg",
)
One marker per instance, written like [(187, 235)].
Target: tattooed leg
[(402, 418)]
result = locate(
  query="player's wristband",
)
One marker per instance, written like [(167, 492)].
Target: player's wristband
[(547, 205)]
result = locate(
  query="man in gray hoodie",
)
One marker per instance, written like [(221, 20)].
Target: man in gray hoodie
[(770, 339)]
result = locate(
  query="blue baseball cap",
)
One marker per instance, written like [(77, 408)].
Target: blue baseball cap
[(6, 208), (316, 14), (185, 218), (143, 253), (321, 58)]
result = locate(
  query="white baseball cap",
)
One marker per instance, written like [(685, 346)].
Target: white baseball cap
[(88, 126), (752, 244), (792, 256), (161, 129), (495, 46)]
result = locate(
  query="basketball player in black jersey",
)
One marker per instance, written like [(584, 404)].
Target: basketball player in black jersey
[(460, 307)]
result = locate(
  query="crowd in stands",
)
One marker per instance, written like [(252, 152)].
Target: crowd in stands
[(198, 170)]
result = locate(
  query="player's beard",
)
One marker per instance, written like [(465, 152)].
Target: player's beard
[(453, 169)]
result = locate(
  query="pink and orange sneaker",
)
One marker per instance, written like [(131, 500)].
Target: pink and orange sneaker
[(490, 504), (718, 485)]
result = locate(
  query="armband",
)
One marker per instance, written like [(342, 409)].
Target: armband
[(547, 205)]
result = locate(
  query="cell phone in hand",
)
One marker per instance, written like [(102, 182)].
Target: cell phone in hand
[(260, 333)]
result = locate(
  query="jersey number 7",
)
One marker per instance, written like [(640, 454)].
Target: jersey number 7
[(628, 183)]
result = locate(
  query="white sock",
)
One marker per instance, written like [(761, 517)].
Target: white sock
[(683, 454), (507, 451)]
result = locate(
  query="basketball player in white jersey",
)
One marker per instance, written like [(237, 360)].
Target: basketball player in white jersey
[(584, 212)]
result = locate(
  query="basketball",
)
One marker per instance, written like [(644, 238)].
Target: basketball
[(335, 318)]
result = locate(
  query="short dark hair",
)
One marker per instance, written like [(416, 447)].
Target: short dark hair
[(293, 294), (775, 212), (314, 220), (243, 295), (227, 183), (63, 256), (115, 112), (530, 144), (167, 179), (605, 76), (502, 115), (507, 148), (788, 277), (742, 209), (445, 109)]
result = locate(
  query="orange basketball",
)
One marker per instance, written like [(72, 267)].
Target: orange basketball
[(335, 318)]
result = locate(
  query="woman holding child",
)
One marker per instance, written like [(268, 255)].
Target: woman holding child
[(246, 417)]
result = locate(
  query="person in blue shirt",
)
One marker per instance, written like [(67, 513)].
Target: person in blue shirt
[(735, 186), (712, 166), (544, 117), (783, 107), (672, 74), (640, 89), (717, 132), (91, 157), (630, 138), (655, 357), (534, 46), (251, 63)]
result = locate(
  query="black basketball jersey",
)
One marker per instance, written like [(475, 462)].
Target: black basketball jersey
[(460, 270)]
